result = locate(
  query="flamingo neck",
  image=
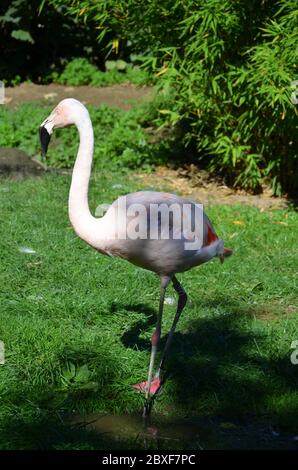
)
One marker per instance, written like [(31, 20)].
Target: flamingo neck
[(210, 251), (80, 216)]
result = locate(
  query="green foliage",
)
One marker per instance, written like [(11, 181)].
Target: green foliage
[(80, 72), (77, 72), (76, 379), (10, 18), (130, 25), (120, 141), (236, 102), (22, 35), (224, 69), (120, 137), (116, 65), (18, 130)]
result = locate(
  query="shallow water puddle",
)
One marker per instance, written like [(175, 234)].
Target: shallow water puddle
[(183, 434)]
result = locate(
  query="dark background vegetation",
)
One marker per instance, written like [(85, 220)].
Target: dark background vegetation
[(33, 44)]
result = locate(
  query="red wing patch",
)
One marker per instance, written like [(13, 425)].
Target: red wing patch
[(211, 236)]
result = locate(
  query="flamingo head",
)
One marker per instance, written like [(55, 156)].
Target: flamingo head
[(66, 113)]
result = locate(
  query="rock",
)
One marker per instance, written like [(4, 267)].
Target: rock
[(50, 96), (14, 163)]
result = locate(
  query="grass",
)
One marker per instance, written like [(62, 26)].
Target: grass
[(77, 325)]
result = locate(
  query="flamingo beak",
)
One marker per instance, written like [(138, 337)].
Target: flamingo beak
[(227, 252), (45, 132)]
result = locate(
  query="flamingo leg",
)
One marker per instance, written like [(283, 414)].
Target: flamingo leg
[(154, 344), (181, 304)]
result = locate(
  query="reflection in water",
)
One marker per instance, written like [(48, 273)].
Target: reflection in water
[(183, 434)]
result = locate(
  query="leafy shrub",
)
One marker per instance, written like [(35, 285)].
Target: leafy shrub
[(81, 72), (120, 141), (78, 72), (18, 130), (224, 69), (235, 102), (138, 76), (120, 138)]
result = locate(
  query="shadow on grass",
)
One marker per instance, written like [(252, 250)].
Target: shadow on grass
[(225, 368), (218, 368), (131, 337)]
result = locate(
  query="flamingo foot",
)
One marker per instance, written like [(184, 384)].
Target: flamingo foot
[(154, 386)]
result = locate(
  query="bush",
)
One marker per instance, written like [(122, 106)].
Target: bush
[(81, 72), (224, 69), (120, 138), (235, 101), (77, 72)]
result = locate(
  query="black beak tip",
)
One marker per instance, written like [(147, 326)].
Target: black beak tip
[(45, 138)]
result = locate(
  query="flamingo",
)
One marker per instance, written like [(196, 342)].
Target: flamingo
[(109, 235)]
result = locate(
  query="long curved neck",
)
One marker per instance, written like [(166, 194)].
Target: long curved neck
[(80, 216), (206, 253), (209, 251)]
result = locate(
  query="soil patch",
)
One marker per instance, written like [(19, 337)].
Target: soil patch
[(120, 96), (201, 188)]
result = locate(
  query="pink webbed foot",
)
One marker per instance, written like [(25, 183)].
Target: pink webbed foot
[(154, 386)]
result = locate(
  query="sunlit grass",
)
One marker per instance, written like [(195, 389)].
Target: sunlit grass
[(68, 306)]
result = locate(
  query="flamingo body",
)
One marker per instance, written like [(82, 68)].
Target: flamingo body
[(164, 256), (155, 245)]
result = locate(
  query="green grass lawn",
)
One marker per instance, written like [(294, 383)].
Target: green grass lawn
[(77, 325)]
